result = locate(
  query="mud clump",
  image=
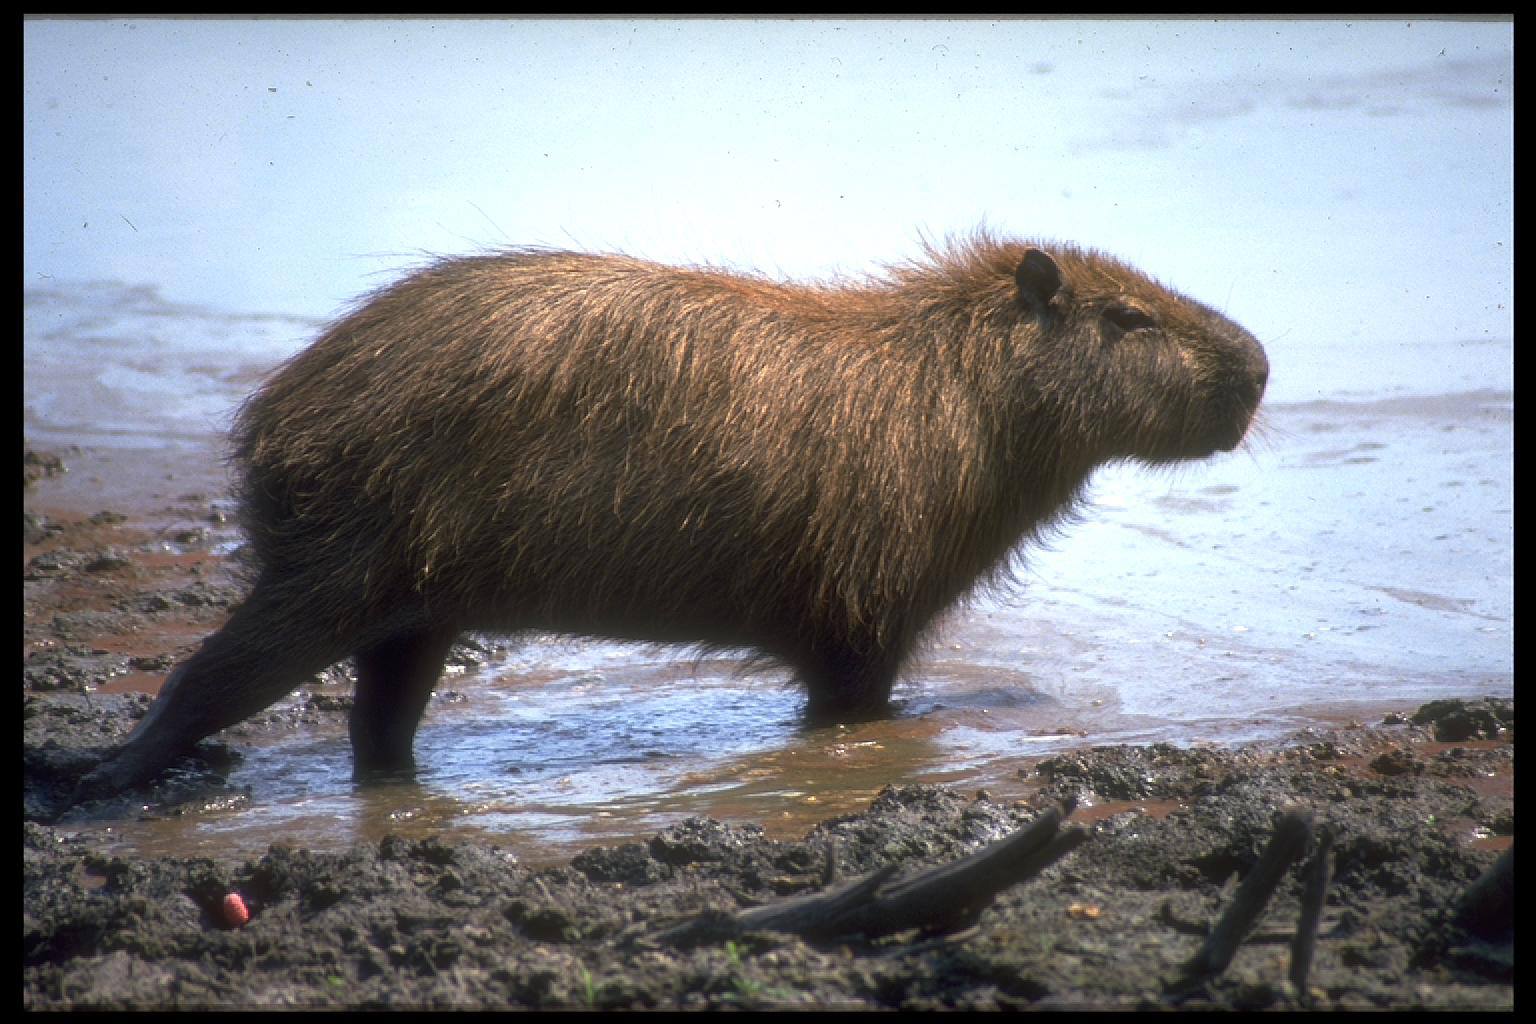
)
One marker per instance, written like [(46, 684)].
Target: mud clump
[(36, 465), (1456, 720)]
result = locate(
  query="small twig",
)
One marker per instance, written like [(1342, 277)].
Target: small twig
[(952, 896), (1315, 878), (812, 914), (1292, 830), (829, 863), (943, 898)]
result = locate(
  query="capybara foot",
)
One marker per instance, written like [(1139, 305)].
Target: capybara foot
[(117, 773)]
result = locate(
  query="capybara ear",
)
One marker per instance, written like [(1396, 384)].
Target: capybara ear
[(1038, 278)]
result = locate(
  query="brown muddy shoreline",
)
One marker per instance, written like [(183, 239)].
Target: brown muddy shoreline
[(114, 593)]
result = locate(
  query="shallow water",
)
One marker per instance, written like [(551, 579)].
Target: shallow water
[(1355, 556)]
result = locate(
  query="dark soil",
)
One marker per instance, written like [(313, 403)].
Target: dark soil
[(1419, 806)]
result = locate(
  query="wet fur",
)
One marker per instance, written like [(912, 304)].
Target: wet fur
[(601, 445)]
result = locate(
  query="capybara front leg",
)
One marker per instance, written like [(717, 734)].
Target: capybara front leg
[(846, 684), (395, 679)]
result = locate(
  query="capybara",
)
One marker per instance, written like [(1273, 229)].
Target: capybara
[(599, 445)]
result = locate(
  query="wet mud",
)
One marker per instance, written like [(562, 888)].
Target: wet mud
[(1419, 806)]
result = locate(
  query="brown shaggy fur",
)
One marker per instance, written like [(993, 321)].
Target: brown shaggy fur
[(601, 445)]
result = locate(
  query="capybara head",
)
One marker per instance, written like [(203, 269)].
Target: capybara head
[(1156, 376), (603, 445)]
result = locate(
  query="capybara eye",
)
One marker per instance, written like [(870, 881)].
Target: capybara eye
[(1128, 318)]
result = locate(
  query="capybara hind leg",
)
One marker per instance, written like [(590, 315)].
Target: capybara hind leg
[(261, 654), (395, 679)]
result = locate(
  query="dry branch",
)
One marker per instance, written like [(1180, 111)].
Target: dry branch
[(1292, 831), (943, 898), (1314, 892)]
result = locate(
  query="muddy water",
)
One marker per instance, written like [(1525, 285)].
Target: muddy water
[(1357, 556)]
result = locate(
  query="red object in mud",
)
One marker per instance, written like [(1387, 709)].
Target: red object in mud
[(235, 912)]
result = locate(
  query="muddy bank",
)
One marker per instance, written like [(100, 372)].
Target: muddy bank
[(463, 924), (1420, 805)]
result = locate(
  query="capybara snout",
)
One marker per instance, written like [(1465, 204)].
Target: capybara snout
[(602, 445)]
